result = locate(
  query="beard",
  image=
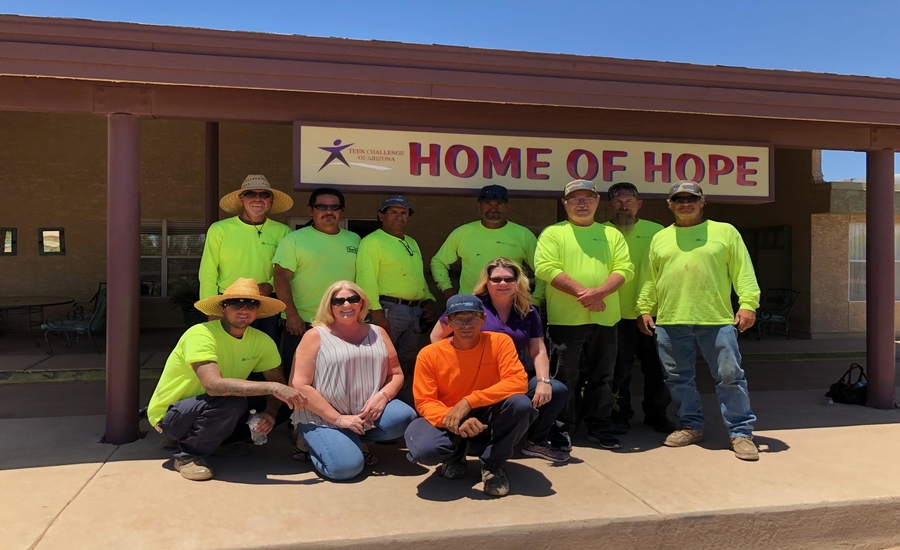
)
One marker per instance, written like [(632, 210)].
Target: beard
[(624, 220)]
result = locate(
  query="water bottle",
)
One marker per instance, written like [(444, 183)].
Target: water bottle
[(253, 422), (827, 401)]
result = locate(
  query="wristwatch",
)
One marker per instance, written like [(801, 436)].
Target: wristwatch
[(544, 379)]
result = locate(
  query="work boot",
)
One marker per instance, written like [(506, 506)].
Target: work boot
[(194, 469), (454, 470), (495, 481), (683, 437), (744, 448)]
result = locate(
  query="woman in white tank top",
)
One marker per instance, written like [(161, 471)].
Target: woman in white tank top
[(350, 373)]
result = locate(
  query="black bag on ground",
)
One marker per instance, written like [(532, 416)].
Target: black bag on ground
[(847, 391)]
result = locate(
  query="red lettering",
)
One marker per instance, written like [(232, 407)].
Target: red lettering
[(681, 167), (416, 160), (609, 167), (664, 168), (743, 171), (532, 163), (715, 171), (593, 165), (511, 162), (471, 161)]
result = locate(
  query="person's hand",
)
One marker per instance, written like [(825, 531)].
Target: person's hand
[(592, 299), (295, 325), (352, 422), (744, 319), (454, 418), (380, 319), (265, 289), (213, 317), (292, 396), (471, 427), (542, 394), (373, 408), (645, 324), (428, 312), (449, 292), (266, 423)]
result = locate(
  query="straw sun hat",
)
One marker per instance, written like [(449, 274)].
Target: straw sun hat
[(242, 288), (231, 203)]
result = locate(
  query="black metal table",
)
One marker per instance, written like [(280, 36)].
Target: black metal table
[(28, 306)]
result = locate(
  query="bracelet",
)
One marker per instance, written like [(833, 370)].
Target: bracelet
[(338, 423), (385, 395)]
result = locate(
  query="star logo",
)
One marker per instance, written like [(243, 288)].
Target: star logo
[(337, 153)]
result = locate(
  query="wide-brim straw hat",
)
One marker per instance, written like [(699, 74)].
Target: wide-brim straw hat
[(242, 288), (231, 203)]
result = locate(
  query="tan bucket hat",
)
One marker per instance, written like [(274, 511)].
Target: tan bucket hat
[(242, 288), (231, 203)]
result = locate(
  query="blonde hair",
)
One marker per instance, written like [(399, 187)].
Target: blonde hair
[(324, 315), (521, 299)]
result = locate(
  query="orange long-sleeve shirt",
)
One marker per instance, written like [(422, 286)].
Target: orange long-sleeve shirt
[(486, 374)]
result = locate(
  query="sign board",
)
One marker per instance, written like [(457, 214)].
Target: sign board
[(401, 161)]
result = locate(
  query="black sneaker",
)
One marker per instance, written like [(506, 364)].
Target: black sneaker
[(621, 427), (606, 440), (495, 481), (661, 424), (561, 440)]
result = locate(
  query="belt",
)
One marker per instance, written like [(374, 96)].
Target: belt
[(399, 301)]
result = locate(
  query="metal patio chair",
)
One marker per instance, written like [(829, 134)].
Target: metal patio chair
[(775, 309), (83, 324)]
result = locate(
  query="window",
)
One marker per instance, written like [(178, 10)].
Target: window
[(170, 251), (858, 262), (8, 236), (51, 241)]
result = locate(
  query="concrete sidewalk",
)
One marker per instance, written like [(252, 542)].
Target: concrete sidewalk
[(827, 478)]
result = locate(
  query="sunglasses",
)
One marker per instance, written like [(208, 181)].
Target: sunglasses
[(498, 280), (685, 199), (355, 299), (240, 303), (327, 207), (255, 194)]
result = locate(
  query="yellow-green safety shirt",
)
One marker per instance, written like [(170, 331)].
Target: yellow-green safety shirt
[(638, 241), (690, 272), (235, 249), (589, 255), (318, 260), (389, 266), (236, 357)]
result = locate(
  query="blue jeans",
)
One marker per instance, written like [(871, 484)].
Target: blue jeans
[(677, 345), (336, 452)]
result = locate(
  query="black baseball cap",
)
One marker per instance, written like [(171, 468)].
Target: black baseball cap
[(493, 193)]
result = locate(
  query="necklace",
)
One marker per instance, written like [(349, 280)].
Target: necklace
[(258, 228)]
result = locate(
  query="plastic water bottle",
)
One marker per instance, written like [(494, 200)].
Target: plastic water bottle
[(253, 422), (827, 401)]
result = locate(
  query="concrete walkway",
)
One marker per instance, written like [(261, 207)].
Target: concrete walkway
[(827, 478)]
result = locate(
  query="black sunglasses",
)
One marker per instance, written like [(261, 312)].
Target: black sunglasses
[(685, 199), (239, 303), (355, 299), (254, 194), (498, 280), (327, 207)]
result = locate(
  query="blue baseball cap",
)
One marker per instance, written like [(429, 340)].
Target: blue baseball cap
[(464, 302), (396, 200)]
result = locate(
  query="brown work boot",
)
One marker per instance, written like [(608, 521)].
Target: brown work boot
[(683, 437), (194, 469), (744, 448)]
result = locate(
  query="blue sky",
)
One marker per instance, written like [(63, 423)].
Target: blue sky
[(835, 36)]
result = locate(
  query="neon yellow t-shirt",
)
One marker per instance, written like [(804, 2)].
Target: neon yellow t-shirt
[(234, 249), (638, 241), (318, 260), (588, 255), (476, 246), (384, 266), (237, 358), (690, 272)]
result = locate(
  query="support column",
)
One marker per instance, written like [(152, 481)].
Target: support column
[(212, 173), (123, 257), (880, 277)]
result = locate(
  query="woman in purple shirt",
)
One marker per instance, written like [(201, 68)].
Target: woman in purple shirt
[(503, 289)]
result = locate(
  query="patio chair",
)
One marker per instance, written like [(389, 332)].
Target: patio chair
[(775, 309), (87, 324), (80, 310)]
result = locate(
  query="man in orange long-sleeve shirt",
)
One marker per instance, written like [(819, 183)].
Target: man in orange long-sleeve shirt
[(469, 388)]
